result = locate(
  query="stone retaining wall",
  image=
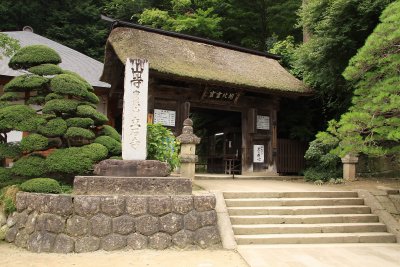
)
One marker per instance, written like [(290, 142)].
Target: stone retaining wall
[(80, 223)]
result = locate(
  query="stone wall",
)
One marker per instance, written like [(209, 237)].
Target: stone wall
[(80, 223)]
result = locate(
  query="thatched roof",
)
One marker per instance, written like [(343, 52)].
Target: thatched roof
[(188, 59)]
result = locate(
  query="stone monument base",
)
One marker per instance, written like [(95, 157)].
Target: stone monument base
[(132, 168), (103, 185)]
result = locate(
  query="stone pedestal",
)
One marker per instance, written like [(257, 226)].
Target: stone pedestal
[(349, 167), (188, 156), (132, 168)]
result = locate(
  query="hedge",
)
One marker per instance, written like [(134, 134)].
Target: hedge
[(53, 128), (113, 146), (77, 132), (33, 55), (41, 185), (111, 132), (34, 142), (46, 69), (80, 122), (60, 106), (25, 82), (30, 166), (88, 111)]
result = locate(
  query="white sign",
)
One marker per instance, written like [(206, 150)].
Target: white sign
[(262, 122), (258, 156), (134, 114), (164, 117)]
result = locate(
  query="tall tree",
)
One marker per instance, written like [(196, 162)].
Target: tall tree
[(337, 28)]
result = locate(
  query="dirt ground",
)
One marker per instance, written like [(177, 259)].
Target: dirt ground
[(10, 256)]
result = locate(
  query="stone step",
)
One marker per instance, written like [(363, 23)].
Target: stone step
[(309, 194), (308, 228), (306, 219), (300, 210), (110, 185), (315, 238), (264, 202)]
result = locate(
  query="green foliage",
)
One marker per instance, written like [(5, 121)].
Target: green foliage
[(5, 176), (80, 122), (30, 166), (59, 106), (53, 128), (34, 55), (66, 84), (10, 96), (18, 117), (8, 45), (88, 111), (52, 96), (41, 185), (322, 165), (46, 69), (162, 145), (95, 151), (77, 132), (286, 49), (10, 150), (34, 142), (371, 126), (111, 132), (36, 100), (337, 29), (69, 161), (112, 145), (26, 82)]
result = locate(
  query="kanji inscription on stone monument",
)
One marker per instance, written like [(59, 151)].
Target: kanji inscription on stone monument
[(134, 114)]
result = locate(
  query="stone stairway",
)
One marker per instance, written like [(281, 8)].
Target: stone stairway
[(303, 218)]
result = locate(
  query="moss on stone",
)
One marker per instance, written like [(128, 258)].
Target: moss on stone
[(25, 83), (88, 111), (46, 69), (77, 132), (34, 142), (80, 122), (34, 55), (60, 106), (53, 128)]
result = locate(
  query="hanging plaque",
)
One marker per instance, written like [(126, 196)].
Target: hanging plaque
[(262, 122), (164, 117), (258, 156)]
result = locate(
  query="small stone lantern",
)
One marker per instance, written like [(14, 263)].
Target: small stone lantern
[(349, 167), (188, 156)]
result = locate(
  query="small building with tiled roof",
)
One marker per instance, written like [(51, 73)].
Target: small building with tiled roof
[(232, 94)]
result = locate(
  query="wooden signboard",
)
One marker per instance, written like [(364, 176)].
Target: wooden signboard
[(258, 156), (263, 122)]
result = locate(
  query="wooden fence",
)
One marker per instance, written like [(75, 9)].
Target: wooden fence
[(290, 156)]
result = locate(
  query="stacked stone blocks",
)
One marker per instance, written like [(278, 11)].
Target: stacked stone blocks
[(84, 223)]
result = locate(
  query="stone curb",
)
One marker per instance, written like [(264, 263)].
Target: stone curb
[(224, 222), (370, 200)]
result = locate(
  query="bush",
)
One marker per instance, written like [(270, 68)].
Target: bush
[(11, 96), (69, 161), (9, 150), (113, 146), (52, 96), (80, 122), (33, 55), (88, 111), (67, 84), (77, 132), (36, 100), (18, 117), (111, 132), (6, 179), (25, 82), (95, 152), (76, 75), (162, 145), (34, 142), (30, 166), (53, 128), (92, 98), (41, 185), (46, 69), (8, 197), (322, 165), (60, 106)]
